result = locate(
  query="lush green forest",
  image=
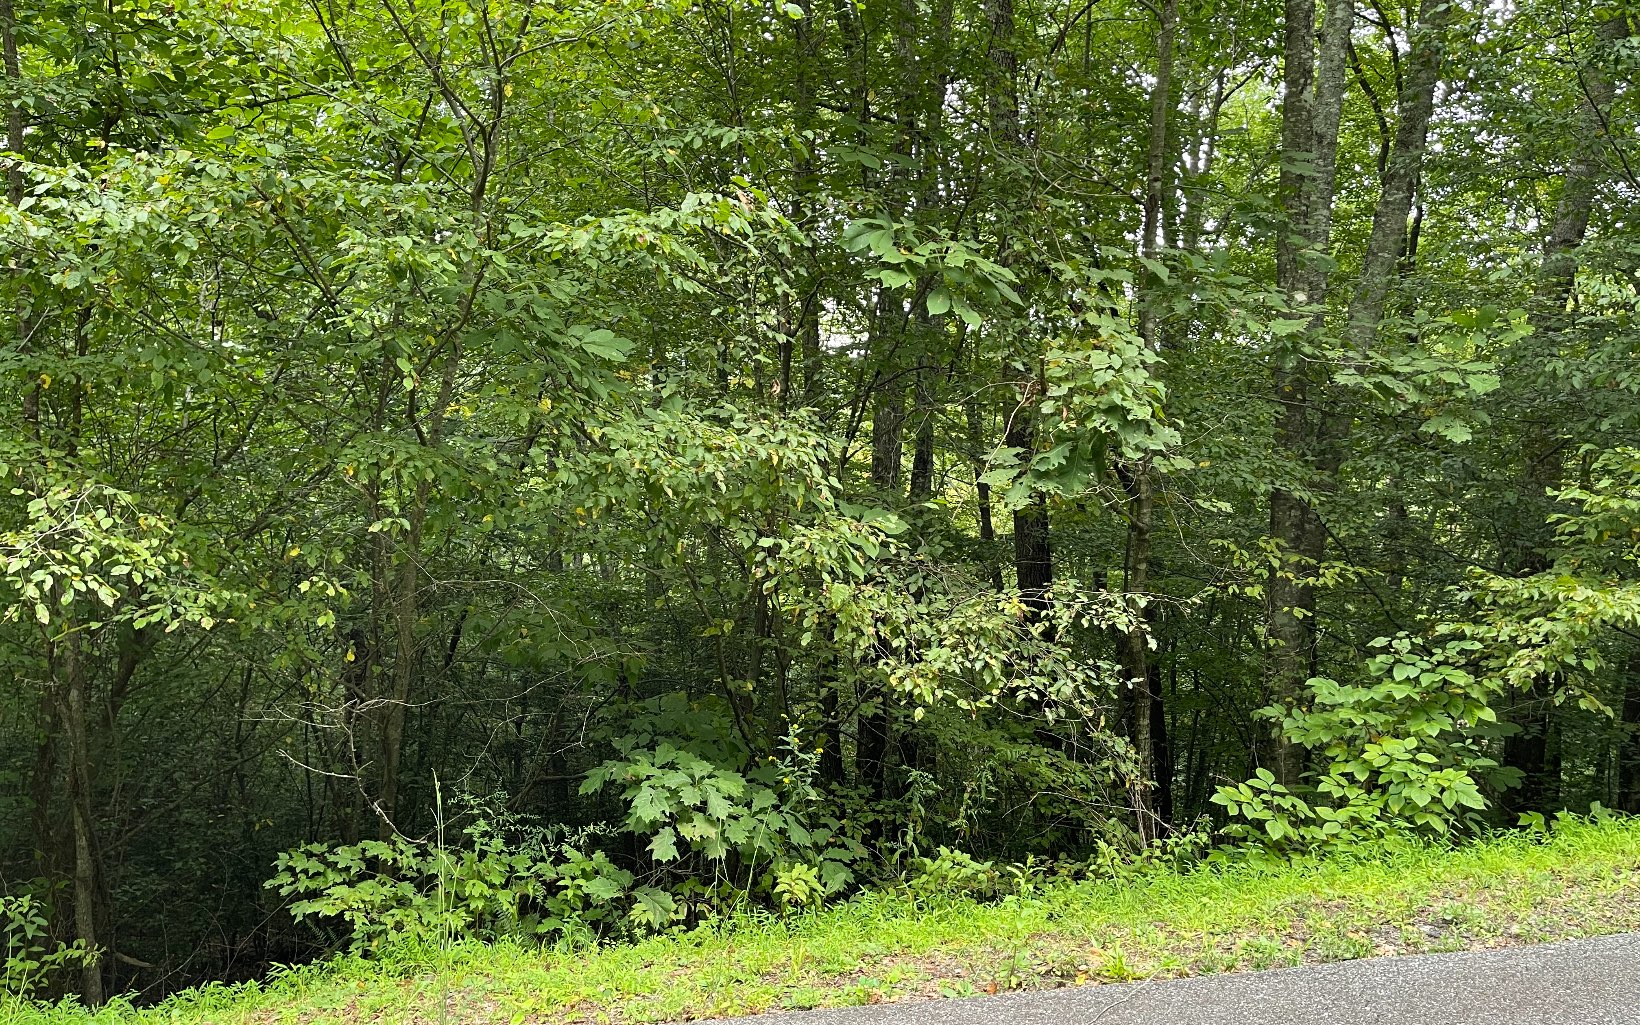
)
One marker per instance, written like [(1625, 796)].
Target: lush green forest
[(566, 469)]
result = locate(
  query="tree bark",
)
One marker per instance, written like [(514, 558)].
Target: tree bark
[(1033, 553), (68, 682), (1315, 434), (1033, 548), (1528, 550), (16, 143), (891, 327), (87, 883), (1311, 109), (1543, 445), (982, 493), (806, 35), (1402, 168), (1139, 475), (1628, 744)]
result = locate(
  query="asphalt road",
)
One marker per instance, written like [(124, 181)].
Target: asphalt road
[(1582, 982)]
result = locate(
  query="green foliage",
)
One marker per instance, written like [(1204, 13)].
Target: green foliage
[(704, 799), (969, 281), (401, 892), (837, 439), (1405, 749), (1558, 624), (953, 874), (1221, 917), (30, 960), (798, 886), (88, 556)]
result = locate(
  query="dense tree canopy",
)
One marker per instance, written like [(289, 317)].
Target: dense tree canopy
[(730, 448)]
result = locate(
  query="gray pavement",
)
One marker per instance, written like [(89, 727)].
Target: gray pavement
[(1581, 982)]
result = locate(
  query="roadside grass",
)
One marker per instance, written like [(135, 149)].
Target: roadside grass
[(1383, 899)]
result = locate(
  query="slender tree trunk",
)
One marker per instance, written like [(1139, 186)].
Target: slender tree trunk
[(406, 610), (1318, 435), (982, 492), (806, 34), (1402, 169), (1628, 747), (42, 785), (1532, 750), (900, 337), (87, 885), (921, 486), (1033, 553), (1033, 548), (14, 111), (1139, 475), (397, 706), (45, 753), (1135, 648), (1544, 446), (16, 143), (68, 683), (1157, 177), (1311, 109), (831, 719), (1161, 742)]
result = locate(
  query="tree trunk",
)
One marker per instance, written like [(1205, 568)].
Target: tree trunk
[(982, 493), (87, 883), (16, 143), (406, 609), (1543, 447), (1033, 550), (1311, 108), (1529, 550), (1161, 743), (1033, 555), (1628, 747), (806, 35), (887, 456), (1135, 648), (1139, 475), (921, 487), (67, 684), (42, 785), (1402, 169)]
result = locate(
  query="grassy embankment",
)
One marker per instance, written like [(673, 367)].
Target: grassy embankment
[(1389, 899)]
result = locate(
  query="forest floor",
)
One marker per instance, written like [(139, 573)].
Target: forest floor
[(1513, 889)]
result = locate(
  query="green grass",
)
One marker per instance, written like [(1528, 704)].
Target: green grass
[(1386, 899)]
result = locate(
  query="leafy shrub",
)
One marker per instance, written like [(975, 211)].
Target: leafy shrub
[(1404, 752), (30, 958), (402, 891), (798, 886), (953, 873), (1178, 851), (700, 798)]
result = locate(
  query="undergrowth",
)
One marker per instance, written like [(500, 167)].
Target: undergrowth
[(1389, 897)]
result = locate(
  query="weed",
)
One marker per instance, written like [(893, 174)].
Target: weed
[(1579, 878), (1114, 967)]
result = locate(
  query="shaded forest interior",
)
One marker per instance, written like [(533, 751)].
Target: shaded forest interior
[(698, 455)]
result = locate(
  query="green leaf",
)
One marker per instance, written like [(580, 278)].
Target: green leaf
[(653, 907), (717, 805), (664, 845), (602, 889)]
